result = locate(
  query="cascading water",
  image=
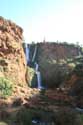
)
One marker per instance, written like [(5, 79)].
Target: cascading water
[(39, 79), (36, 67), (34, 54), (27, 51), (38, 75)]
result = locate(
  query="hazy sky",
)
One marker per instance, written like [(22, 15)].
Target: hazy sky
[(53, 19)]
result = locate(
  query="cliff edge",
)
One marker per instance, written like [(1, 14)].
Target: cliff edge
[(12, 58)]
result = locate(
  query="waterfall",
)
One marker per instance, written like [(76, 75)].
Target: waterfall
[(27, 52), (34, 54), (36, 67), (39, 79), (38, 75)]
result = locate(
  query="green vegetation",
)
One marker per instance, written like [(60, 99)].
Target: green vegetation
[(25, 116), (78, 70), (68, 117), (62, 117), (31, 77), (81, 116), (42, 92), (5, 87)]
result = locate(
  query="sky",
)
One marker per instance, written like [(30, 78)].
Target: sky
[(51, 20)]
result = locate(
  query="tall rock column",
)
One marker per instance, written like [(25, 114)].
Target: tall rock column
[(12, 58)]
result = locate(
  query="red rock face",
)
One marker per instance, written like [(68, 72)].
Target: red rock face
[(12, 58), (53, 62)]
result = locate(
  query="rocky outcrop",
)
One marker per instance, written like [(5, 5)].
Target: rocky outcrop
[(12, 58), (74, 85), (55, 61)]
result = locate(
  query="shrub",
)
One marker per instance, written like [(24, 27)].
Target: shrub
[(31, 78), (78, 70), (24, 117), (5, 87), (68, 117), (53, 76)]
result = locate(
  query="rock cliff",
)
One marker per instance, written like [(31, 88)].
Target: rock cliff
[(12, 58), (56, 61)]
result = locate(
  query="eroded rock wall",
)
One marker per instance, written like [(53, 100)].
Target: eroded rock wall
[(12, 57), (55, 61)]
